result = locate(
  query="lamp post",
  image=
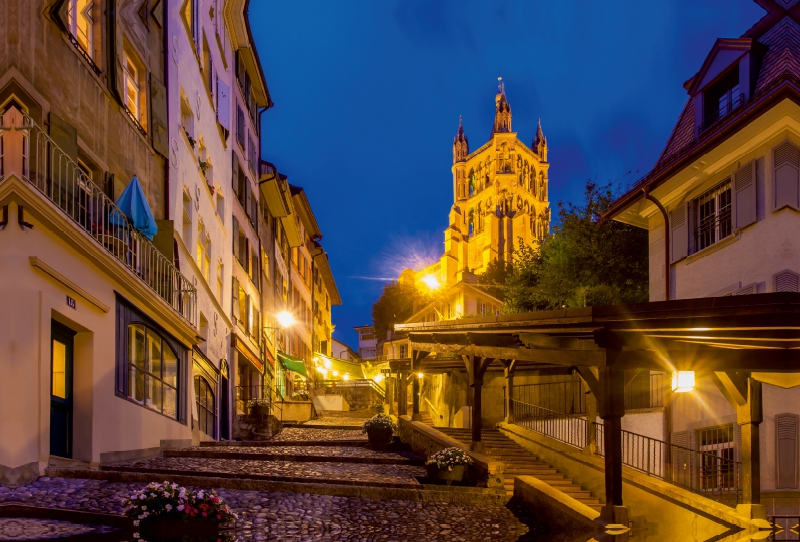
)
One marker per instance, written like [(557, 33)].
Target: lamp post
[(285, 320)]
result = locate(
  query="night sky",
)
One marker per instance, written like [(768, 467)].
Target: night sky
[(368, 93)]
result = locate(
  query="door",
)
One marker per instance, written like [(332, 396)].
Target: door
[(224, 428), (61, 358)]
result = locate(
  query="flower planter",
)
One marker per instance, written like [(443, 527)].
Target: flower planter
[(449, 476), (173, 528), (380, 436), (260, 411)]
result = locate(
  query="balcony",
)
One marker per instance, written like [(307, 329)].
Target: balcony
[(727, 104), (27, 151)]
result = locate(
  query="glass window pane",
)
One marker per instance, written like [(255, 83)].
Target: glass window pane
[(136, 351), (155, 394), (59, 370), (135, 384), (170, 369), (170, 402), (154, 349)]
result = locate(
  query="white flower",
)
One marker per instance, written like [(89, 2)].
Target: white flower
[(135, 522), (180, 508), (168, 507)]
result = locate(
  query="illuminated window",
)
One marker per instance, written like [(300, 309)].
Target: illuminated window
[(81, 25), (133, 85), (203, 251), (152, 371), (206, 407)]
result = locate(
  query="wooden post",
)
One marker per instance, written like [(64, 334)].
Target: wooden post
[(402, 395), (612, 408), (416, 367), (749, 416), (476, 367), (589, 376), (508, 371)]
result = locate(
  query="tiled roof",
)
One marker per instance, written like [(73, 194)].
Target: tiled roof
[(782, 59)]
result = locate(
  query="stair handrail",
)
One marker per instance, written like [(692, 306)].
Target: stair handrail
[(567, 428), (430, 406)]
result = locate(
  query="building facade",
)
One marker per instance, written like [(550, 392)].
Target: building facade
[(721, 206)]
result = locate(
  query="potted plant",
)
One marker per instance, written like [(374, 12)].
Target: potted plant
[(210, 187), (448, 465), (259, 407), (192, 141), (203, 166), (169, 510), (379, 429), (377, 407)]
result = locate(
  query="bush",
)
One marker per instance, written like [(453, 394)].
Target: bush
[(448, 458), (380, 421)]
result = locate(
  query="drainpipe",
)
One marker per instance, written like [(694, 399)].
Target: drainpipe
[(650, 197)]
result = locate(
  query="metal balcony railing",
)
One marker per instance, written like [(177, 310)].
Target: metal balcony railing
[(28, 150), (727, 104), (570, 430)]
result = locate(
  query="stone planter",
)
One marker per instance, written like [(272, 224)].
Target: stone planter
[(379, 436), (261, 411), (171, 528), (449, 476)]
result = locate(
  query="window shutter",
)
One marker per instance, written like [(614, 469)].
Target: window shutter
[(787, 281), (60, 13), (787, 175), (224, 104), (246, 255), (116, 60), (679, 233), (158, 115), (747, 290), (786, 451), (744, 195), (248, 206), (681, 469), (235, 180), (235, 234), (235, 306)]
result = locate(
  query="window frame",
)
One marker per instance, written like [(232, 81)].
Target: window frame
[(716, 194), (127, 315)]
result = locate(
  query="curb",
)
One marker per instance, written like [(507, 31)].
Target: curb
[(267, 443), (299, 458), (452, 495)]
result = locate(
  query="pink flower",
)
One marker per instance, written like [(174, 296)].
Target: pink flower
[(204, 514)]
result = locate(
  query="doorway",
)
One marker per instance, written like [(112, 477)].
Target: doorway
[(62, 341)]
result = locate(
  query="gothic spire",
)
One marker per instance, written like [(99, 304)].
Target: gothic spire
[(502, 115), (539, 145), (460, 143)]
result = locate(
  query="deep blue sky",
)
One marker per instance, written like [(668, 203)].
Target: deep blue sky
[(367, 97)]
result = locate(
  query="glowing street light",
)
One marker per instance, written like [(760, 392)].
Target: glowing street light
[(285, 319), (431, 282), (420, 375), (682, 381)]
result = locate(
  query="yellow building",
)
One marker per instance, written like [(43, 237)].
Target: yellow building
[(499, 200)]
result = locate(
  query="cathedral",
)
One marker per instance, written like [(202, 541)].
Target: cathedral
[(499, 201)]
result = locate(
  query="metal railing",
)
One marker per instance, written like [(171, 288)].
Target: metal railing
[(244, 394), (645, 390), (353, 383), (565, 397), (707, 473), (784, 528), (567, 429), (732, 102), (45, 166)]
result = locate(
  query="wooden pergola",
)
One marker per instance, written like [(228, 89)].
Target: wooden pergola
[(739, 341)]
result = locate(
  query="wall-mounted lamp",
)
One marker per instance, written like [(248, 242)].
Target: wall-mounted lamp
[(682, 381)]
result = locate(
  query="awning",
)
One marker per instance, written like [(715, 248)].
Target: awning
[(293, 364)]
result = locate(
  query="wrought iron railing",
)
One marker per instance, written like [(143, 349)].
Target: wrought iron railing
[(784, 528), (645, 390), (733, 101), (353, 383), (707, 473), (565, 397), (567, 429), (61, 180)]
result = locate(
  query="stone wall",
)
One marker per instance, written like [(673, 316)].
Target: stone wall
[(246, 427)]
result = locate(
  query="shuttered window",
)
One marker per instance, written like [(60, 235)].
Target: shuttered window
[(679, 233), (744, 196), (787, 281), (787, 176), (747, 290), (786, 451)]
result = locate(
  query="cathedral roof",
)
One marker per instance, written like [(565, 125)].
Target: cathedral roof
[(775, 39)]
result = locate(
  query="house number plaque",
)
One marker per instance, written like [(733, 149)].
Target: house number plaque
[(71, 303)]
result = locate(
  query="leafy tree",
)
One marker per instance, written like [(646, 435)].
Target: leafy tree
[(584, 262), (493, 280), (395, 305)]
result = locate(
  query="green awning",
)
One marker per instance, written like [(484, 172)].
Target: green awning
[(293, 364)]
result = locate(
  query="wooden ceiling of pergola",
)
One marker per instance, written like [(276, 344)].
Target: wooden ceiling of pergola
[(742, 333)]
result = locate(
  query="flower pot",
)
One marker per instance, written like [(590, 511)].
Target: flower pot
[(449, 476), (173, 528), (379, 436), (261, 411)]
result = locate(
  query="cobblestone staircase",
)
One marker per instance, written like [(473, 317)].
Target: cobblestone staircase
[(520, 462)]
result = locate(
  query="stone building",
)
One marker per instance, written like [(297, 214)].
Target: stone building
[(500, 199), (97, 347)]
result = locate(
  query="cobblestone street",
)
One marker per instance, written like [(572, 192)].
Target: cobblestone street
[(303, 517), (320, 451), (300, 434)]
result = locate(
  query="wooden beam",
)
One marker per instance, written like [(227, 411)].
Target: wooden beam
[(591, 380), (568, 358), (733, 386)]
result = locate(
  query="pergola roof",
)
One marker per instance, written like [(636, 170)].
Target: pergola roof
[(739, 333)]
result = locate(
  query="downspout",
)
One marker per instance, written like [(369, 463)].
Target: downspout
[(166, 86), (668, 396), (647, 195)]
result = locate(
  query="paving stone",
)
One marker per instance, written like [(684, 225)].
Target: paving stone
[(317, 451), (293, 517), (298, 434), (355, 422)]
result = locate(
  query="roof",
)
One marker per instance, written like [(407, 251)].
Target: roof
[(303, 208), (324, 267), (735, 333), (778, 34), (455, 287)]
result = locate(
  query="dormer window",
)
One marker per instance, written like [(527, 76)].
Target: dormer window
[(722, 97)]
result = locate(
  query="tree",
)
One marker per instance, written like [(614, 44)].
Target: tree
[(586, 261), (493, 280), (395, 305)]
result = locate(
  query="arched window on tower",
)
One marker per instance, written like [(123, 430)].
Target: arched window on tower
[(471, 222), (471, 182), (541, 186), (480, 217), (532, 182)]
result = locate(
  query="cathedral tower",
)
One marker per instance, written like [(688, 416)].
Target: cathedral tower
[(460, 153)]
